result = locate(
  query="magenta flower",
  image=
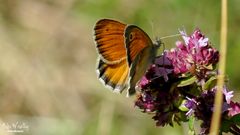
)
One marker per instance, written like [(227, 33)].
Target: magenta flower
[(143, 82), (181, 84), (234, 109), (202, 107), (194, 55), (227, 94), (146, 102), (155, 95)]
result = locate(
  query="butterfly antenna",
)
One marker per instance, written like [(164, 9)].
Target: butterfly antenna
[(152, 27), (170, 36)]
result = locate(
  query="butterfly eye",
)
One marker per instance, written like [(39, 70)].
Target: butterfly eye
[(131, 36)]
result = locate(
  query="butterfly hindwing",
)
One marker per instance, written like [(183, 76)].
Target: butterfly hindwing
[(139, 67), (135, 40), (140, 53), (113, 75)]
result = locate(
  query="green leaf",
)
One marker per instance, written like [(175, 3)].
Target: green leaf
[(187, 81), (191, 126), (227, 123), (210, 83), (236, 119), (225, 126)]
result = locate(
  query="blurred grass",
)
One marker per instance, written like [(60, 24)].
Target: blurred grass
[(47, 64)]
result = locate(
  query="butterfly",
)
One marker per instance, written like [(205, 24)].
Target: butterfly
[(125, 52)]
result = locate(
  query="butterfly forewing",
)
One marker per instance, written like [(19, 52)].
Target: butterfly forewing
[(110, 40)]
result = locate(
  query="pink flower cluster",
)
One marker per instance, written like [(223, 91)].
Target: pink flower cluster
[(181, 83), (194, 54)]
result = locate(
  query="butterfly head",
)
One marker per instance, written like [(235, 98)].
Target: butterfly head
[(157, 43)]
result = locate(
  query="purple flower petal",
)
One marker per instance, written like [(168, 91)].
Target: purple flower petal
[(143, 82), (228, 95), (234, 109)]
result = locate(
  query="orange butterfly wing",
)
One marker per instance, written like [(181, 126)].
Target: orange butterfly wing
[(113, 75), (140, 54), (136, 40), (125, 53), (110, 40), (112, 66)]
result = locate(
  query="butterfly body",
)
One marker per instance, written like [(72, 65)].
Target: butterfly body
[(125, 53)]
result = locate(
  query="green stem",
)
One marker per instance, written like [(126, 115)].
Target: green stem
[(215, 123)]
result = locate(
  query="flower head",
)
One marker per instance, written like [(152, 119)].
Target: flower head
[(202, 107), (194, 55), (156, 95), (181, 83)]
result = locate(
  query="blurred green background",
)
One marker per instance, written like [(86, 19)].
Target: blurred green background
[(48, 60)]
